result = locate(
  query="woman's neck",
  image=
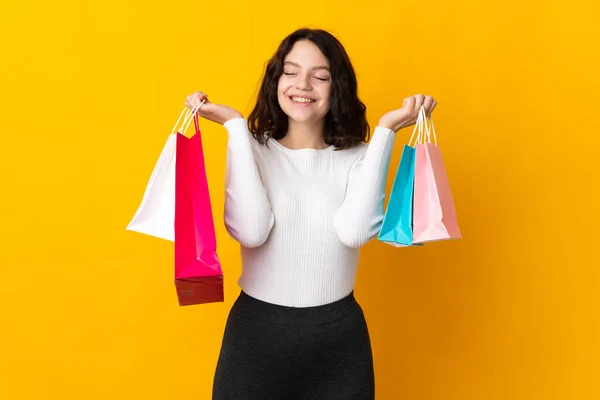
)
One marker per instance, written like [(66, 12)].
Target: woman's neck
[(303, 135)]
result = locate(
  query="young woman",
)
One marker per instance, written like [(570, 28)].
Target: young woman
[(304, 191)]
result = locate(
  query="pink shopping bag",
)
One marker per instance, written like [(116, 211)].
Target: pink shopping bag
[(434, 215), (198, 274)]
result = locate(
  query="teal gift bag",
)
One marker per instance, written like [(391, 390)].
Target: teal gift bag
[(397, 226), (396, 229)]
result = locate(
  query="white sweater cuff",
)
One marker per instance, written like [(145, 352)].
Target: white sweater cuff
[(236, 126)]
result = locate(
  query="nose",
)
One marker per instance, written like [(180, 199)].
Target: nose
[(303, 82)]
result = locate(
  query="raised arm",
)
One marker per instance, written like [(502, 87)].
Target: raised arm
[(248, 216), (359, 218)]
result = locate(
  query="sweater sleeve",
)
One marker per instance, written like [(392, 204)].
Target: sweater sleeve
[(248, 215), (359, 218)]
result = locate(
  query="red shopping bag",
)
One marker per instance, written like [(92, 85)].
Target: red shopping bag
[(198, 274)]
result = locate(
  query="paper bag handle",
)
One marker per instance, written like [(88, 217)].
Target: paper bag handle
[(427, 128), (186, 120), (422, 129), (418, 129)]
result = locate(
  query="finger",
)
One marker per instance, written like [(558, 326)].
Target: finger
[(427, 102), (195, 99), (190, 101), (419, 98), (409, 103), (432, 107), (201, 96), (191, 97)]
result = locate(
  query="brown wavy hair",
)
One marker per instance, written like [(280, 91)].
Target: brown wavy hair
[(346, 123)]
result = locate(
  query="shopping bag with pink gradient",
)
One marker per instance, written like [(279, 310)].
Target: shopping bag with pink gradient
[(434, 214)]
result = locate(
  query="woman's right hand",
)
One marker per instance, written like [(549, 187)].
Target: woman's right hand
[(218, 113)]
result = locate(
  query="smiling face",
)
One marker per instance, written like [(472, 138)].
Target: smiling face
[(304, 88)]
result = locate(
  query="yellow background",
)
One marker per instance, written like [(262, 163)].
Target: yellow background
[(90, 91)]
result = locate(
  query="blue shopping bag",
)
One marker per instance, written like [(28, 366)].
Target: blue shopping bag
[(396, 228)]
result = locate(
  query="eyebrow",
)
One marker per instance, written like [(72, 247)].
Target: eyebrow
[(323, 67)]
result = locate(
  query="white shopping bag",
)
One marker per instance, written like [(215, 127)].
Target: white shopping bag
[(155, 216)]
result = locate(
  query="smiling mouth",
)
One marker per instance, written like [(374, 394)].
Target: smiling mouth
[(304, 100)]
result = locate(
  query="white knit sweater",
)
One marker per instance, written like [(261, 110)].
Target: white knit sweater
[(301, 215)]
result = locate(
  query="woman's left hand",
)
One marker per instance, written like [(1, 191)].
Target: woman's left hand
[(407, 115)]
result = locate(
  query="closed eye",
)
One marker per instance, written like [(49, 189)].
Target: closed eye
[(322, 79)]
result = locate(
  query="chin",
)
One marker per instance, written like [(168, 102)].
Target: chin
[(302, 115)]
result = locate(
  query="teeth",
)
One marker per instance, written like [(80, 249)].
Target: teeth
[(302, 100)]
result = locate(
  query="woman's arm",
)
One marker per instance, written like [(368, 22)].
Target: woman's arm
[(359, 218), (248, 216)]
